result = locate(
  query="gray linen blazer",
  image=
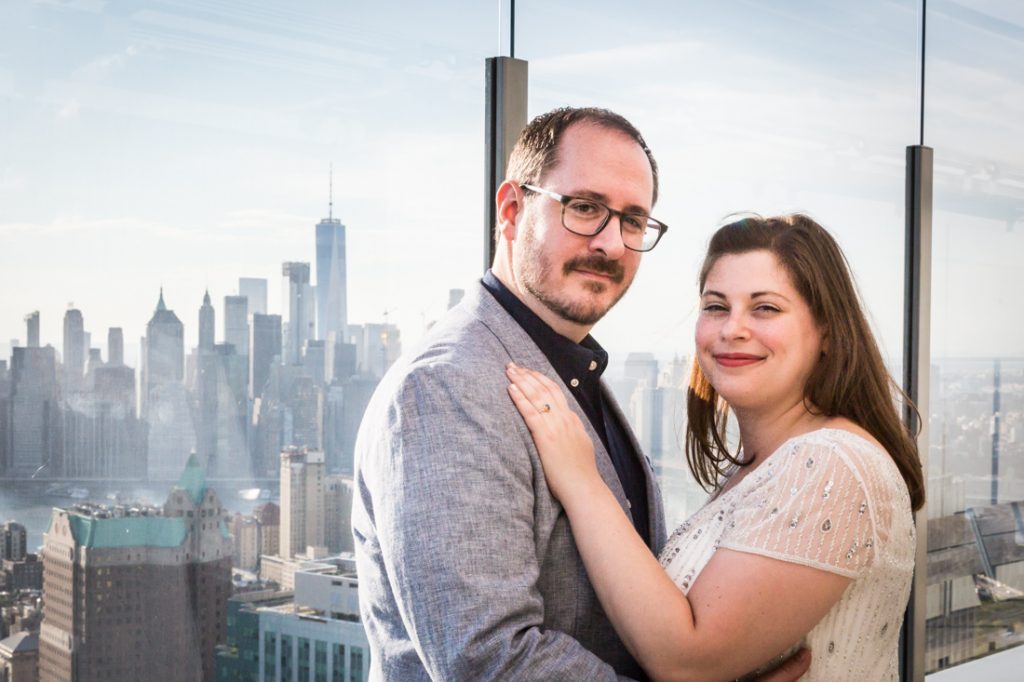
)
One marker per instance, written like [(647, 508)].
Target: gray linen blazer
[(467, 566)]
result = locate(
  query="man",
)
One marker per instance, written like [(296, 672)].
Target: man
[(467, 567)]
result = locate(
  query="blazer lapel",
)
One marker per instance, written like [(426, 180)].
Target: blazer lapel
[(524, 352), (655, 508)]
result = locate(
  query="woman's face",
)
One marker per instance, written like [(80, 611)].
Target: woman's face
[(756, 339)]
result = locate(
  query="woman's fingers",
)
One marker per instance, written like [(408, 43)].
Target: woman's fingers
[(528, 383), (537, 387)]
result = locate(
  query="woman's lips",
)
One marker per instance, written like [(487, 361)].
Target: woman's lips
[(737, 359)]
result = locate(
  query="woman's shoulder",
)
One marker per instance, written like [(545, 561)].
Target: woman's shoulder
[(848, 446)]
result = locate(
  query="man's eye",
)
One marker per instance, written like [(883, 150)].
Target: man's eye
[(635, 222), (584, 209)]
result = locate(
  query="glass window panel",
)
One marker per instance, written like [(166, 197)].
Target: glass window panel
[(755, 107), (975, 109), (167, 149)]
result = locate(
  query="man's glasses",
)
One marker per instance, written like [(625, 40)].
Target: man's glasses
[(587, 218)]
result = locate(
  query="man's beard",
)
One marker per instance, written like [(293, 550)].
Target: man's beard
[(537, 269)]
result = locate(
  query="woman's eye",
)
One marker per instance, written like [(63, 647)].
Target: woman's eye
[(767, 309), (714, 308)]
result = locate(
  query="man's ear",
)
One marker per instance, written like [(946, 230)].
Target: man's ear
[(509, 202)]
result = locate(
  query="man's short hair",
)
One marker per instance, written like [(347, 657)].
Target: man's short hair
[(536, 150)]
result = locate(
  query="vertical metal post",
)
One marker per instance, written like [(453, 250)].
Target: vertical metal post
[(504, 119), (996, 443), (916, 366)]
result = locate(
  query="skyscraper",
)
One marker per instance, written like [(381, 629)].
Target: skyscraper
[(35, 416), (164, 402), (232, 411), (13, 541), (378, 346), (74, 349), (338, 513), (32, 329), (164, 349), (302, 501), (344, 418), (245, 534), (254, 289), (102, 436), (207, 323), (236, 324), (137, 593), (269, 516), (266, 346), (298, 310), (115, 347), (331, 280)]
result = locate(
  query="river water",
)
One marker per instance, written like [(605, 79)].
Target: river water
[(31, 503)]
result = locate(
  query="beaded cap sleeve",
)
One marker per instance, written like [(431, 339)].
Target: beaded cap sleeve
[(825, 506)]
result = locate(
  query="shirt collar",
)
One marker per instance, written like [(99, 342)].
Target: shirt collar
[(579, 365)]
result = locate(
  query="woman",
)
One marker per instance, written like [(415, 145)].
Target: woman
[(808, 537)]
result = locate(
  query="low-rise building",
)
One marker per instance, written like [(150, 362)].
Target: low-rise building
[(19, 657), (309, 634)]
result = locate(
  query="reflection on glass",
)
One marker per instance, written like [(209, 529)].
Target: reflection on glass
[(742, 114), (975, 583), (206, 265)]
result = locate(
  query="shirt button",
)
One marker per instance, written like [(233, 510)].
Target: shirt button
[(593, 365), (629, 505), (574, 383)]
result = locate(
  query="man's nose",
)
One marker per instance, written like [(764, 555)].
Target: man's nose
[(609, 240)]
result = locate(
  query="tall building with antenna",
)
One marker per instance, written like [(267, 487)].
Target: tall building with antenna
[(331, 277)]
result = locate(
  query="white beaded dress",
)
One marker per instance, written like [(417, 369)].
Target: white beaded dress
[(831, 500)]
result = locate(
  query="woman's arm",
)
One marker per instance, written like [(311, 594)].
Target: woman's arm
[(743, 610)]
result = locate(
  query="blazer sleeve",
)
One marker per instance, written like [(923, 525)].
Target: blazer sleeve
[(455, 523)]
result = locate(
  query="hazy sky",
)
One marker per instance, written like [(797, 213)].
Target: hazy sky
[(186, 143)]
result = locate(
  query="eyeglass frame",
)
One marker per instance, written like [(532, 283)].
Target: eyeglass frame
[(564, 200)]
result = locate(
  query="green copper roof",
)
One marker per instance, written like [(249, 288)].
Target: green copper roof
[(193, 480), (129, 531)]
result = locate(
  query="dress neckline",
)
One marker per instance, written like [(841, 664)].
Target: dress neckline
[(863, 442)]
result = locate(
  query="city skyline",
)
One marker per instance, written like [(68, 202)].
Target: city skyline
[(196, 142), (158, 151)]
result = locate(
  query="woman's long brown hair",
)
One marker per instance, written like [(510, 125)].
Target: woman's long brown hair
[(849, 381)]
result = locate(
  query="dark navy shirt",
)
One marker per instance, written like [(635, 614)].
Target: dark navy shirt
[(580, 366)]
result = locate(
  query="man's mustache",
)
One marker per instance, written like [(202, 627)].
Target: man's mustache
[(597, 264)]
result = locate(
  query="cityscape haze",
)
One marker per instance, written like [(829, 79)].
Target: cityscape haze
[(223, 221)]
